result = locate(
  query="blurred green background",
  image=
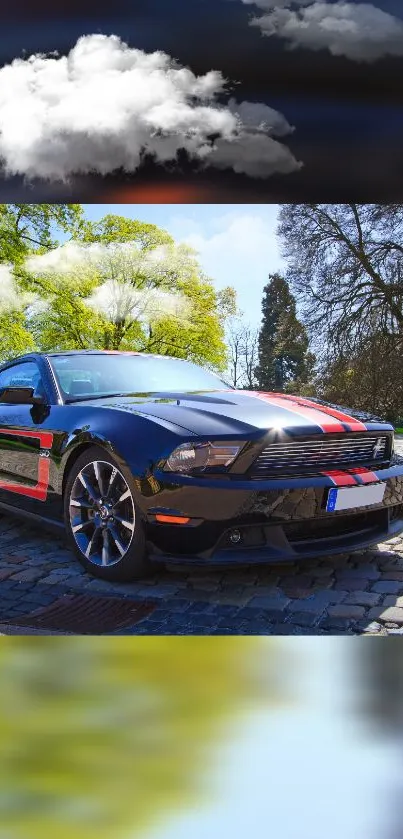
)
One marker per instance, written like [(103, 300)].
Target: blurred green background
[(99, 737)]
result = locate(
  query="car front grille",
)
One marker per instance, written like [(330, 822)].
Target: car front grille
[(315, 455)]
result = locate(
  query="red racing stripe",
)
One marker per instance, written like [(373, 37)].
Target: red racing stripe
[(366, 476), (341, 479), (332, 425), (355, 425), (349, 477)]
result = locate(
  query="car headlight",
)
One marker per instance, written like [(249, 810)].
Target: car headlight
[(189, 456)]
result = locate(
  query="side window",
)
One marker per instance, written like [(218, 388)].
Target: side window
[(23, 375)]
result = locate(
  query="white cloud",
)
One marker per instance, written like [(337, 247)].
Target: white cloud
[(131, 277), (11, 299), (105, 105), (65, 259), (257, 116), (359, 31), (254, 154), (237, 248), (244, 234), (115, 259), (8, 290), (120, 300)]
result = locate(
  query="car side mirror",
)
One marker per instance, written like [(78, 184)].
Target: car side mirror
[(20, 396)]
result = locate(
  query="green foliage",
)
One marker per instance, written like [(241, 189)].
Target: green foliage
[(29, 227), (67, 324), (226, 300), (99, 737), (15, 337), (69, 321), (64, 318), (284, 360), (368, 379), (199, 338), (114, 228), (26, 228)]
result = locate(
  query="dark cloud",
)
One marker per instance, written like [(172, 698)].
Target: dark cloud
[(106, 106), (358, 31), (347, 114)]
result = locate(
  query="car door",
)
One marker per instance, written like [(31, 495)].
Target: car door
[(24, 445)]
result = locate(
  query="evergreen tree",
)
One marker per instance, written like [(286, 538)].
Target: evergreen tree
[(284, 358)]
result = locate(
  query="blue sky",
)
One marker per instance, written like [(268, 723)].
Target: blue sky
[(309, 771), (236, 242)]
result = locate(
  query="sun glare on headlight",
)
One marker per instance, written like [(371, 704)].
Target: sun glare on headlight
[(190, 456)]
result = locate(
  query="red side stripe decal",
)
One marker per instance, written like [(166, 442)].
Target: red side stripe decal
[(355, 425), (45, 437), (40, 491), (314, 413)]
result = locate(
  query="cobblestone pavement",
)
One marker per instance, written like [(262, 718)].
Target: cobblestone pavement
[(353, 594), (347, 594)]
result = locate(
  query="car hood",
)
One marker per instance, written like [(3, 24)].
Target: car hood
[(231, 412)]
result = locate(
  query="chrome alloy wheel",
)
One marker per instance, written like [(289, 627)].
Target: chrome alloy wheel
[(102, 515)]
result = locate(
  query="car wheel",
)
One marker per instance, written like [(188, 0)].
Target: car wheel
[(103, 524)]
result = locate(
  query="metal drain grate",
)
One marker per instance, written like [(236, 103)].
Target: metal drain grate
[(82, 614)]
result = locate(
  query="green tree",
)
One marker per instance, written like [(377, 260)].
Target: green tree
[(126, 285), (198, 337), (25, 228), (15, 339), (99, 739), (116, 284), (113, 228), (284, 359)]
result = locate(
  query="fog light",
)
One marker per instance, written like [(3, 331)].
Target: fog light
[(235, 537)]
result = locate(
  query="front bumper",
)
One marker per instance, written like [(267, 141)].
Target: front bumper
[(278, 520)]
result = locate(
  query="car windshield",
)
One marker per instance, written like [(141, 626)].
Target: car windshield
[(92, 376)]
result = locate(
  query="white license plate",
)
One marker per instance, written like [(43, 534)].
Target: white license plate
[(348, 497)]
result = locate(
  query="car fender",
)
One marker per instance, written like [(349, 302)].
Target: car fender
[(136, 441)]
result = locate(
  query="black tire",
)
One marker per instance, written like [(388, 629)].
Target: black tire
[(100, 535)]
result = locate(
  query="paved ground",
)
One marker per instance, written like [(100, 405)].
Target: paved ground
[(348, 594), (359, 593)]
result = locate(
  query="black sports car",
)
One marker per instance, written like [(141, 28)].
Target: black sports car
[(144, 458)]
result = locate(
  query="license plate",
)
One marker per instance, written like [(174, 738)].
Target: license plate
[(348, 497)]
